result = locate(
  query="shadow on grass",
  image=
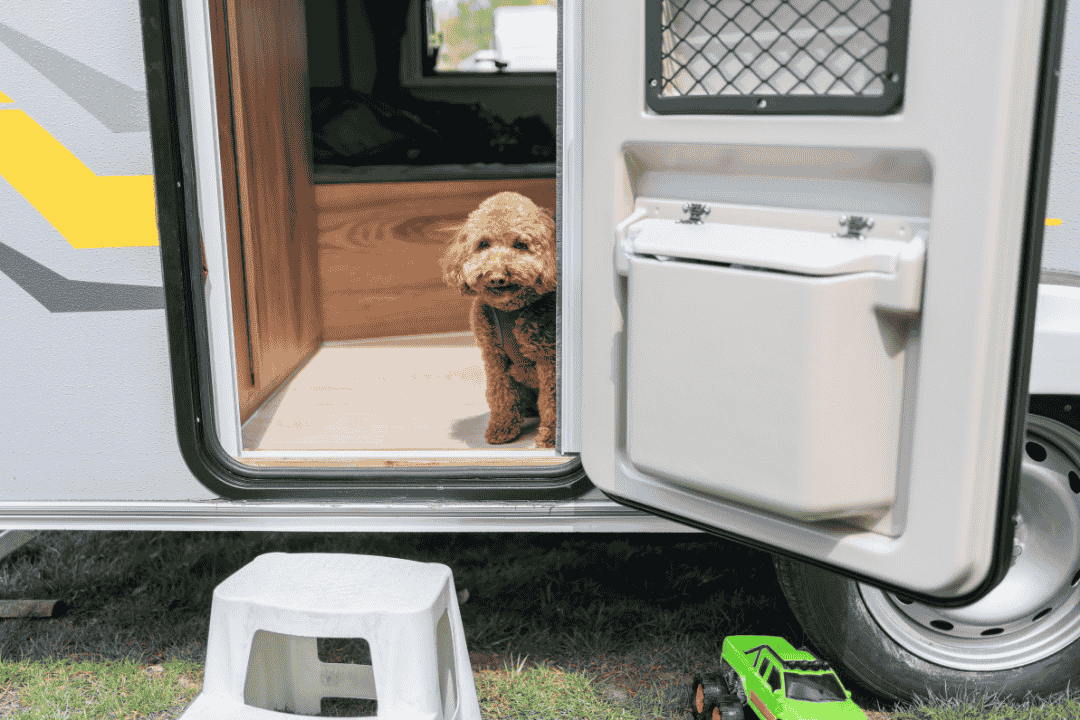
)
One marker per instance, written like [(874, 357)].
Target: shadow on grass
[(632, 612), (637, 615)]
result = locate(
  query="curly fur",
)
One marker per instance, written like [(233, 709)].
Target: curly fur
[(504, 257)]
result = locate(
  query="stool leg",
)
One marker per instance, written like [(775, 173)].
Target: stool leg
[(348, 681), (468, 701), (284, 674)]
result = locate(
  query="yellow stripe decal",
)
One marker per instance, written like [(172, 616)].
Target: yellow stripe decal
[(89, 211), (4, 98), (1053, 221)]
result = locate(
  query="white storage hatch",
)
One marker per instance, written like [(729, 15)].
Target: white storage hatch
[(766, 361)]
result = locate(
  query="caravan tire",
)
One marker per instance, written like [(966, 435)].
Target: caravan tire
[(901, 649)]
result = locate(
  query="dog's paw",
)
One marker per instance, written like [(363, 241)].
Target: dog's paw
[(545, 437), (503, 430)]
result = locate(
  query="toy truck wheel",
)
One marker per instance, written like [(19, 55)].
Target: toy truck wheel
[(706, 691), (1020, 638), (734, 683), (730, 710)]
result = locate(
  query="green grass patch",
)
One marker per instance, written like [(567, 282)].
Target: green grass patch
[(126, 690), (542, 692), (987, 706), (68, 690)]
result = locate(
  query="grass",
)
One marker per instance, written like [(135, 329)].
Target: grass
[(558, 626), (542, 692), (1063, 706), (83, 689)]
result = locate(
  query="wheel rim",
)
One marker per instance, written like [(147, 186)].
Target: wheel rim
[(1032, 613)]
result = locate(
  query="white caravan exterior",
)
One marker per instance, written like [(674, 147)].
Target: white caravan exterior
[(122, 404)]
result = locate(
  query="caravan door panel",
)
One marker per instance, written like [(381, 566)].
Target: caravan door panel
[(809, 239)]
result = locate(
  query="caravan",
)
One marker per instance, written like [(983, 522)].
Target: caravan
[(818, 291)]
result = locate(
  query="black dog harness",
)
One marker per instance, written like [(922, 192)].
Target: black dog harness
[(504, 320)]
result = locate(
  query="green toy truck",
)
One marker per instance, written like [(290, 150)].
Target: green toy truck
[(778, 682)]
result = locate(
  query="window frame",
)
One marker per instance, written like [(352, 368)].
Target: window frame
[(414, 46), (889, 103)]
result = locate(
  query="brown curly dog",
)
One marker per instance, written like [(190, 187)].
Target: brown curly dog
[(504, 256)]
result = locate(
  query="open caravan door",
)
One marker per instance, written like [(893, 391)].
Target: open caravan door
[(810, 236)]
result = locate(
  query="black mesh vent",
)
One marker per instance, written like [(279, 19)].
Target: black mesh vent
[(776, 56)]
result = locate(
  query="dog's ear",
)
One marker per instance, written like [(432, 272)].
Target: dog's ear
[(452, 262), (547, 281)]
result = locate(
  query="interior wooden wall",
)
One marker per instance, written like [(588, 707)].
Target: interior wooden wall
[(265, 112), (245, 369), (332, 262), (379, 247)]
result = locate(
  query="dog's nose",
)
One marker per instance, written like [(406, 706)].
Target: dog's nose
[(497, 277)]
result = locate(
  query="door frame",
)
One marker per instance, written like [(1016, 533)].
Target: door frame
[(179, 88)]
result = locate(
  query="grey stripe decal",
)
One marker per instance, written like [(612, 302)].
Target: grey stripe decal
[(1060, 277), (117, 106), (60, 295)]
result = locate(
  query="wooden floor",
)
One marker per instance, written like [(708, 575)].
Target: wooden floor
[(414, 393)]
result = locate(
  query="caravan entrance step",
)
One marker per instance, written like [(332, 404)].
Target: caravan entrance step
[(261, 656)]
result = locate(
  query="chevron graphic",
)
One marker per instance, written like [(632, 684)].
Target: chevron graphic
[(90, 211)]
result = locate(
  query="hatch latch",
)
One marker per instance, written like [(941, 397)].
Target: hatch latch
[(855, 225), (697, 211)]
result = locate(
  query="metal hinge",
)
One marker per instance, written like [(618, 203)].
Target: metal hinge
[(696, 210), (855, 225)]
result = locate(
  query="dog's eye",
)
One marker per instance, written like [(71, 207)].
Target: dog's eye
[(518, 245), (483, 245)]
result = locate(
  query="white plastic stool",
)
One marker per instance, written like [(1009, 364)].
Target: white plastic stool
[(261, 654)]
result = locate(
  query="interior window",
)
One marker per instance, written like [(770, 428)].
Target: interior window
[(504, 36), (369, 124)]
